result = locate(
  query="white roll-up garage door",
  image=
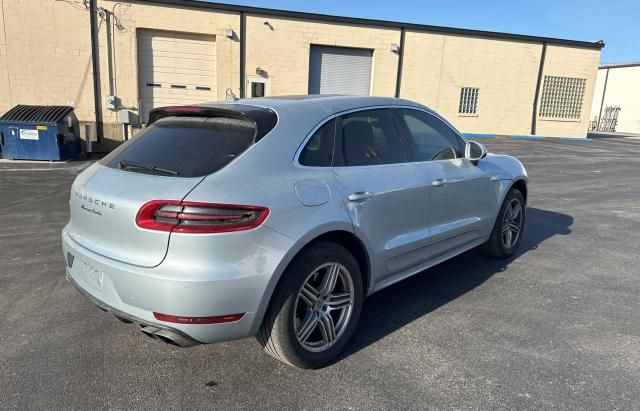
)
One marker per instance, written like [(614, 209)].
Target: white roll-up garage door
[(340, 70), (175, 68)]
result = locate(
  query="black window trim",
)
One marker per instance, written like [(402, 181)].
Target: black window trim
[(310, 136), (406, 133), (337, 116), (305, 141)]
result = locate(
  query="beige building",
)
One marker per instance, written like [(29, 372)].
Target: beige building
[(163, 52), (615, 105)]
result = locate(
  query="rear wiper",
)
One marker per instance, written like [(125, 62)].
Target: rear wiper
[(132, 164)]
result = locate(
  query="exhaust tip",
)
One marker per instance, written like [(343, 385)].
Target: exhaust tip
[(149, 332), (167, 340), (167, 336), (173, 338), (163, 333)]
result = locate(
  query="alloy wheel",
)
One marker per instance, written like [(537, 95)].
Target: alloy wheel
[(323, 307), (512, 223)]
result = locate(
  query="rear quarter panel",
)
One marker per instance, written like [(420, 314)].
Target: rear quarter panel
[(303, 202)]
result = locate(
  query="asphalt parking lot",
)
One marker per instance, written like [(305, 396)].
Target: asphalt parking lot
[(557, 326)]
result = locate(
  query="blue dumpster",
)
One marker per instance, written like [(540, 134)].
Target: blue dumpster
[(40, 133)]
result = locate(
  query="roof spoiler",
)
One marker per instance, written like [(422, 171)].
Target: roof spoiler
[(263, 119)]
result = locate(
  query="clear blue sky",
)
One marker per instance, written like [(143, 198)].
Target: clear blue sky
[(617, 22)]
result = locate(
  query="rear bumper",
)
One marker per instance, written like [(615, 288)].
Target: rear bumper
[(221, 284), (167, 334)]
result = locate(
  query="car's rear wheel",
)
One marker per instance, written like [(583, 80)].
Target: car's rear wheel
[(315, 309), (509, 226)]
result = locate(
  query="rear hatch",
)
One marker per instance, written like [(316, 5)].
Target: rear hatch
[(164, 162)]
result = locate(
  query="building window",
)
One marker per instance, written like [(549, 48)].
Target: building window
[(257, 86), (257, 89), (468, 100), (562, 97)]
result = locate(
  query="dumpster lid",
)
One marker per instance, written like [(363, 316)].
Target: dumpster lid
[(37, 114)]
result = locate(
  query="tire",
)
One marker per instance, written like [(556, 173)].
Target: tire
[(497, 246), (284, 333)]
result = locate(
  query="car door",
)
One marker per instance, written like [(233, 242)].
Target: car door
[(385, 195), (460, 190)]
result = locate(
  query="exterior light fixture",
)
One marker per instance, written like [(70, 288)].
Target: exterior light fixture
[(395, 48)]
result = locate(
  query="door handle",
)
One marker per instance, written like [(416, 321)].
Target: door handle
[(439, 182), (360, 196)]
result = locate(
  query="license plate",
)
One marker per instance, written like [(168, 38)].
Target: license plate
[(93, 276)]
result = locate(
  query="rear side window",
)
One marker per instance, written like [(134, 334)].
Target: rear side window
[(430, 137), (319, 149), (184, 146), (368, 138)]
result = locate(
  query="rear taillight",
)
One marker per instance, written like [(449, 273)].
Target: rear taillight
[(216, 319), (199, 218)]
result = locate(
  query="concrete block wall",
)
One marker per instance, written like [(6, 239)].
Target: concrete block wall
[(437, 66), (282, 49), (46, 56), (567, 61), (46, 59), (141, 16), (422, 67), (5, 87)]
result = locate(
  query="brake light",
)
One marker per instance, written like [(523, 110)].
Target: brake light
[(216, 319), (183, 109), (198, 218)]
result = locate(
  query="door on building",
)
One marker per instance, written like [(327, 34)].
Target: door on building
[(174, 69), (340, 70)]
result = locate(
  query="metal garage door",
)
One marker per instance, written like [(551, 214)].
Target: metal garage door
[(175, 68), (340, 70)]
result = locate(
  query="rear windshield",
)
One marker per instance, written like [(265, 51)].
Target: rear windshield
[(184, 146)]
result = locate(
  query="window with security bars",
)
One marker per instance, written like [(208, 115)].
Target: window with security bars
[(562, 97), (468, 100)]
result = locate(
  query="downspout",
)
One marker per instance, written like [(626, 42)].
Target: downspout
[(95, 61), (243, 52), (400, 62), (109, 52), (604, 91), (534, 116)]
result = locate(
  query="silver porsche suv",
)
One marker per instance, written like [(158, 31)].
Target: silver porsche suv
[(276, 217)]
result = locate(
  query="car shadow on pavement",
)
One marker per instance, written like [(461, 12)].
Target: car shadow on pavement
[(398, 305)]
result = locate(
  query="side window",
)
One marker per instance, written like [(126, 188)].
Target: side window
[(369, 138), (431, 138), (319, 149)]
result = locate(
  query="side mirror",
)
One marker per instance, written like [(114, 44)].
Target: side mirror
[(474, 151)]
